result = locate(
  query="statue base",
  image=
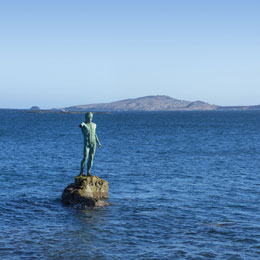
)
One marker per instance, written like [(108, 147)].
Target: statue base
[(90, 191)]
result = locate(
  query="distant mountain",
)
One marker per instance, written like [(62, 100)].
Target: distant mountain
[(147, 103)]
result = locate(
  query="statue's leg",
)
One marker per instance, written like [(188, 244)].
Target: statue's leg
[(91, 158), (85, 157)]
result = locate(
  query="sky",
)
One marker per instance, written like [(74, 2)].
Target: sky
[(61, 53)]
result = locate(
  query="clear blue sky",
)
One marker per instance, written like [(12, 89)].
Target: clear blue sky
[(61, 53)]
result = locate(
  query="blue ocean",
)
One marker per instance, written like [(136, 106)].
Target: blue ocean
[(182, 185)]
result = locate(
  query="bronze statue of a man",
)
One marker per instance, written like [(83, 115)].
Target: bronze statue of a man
[(88, 129)]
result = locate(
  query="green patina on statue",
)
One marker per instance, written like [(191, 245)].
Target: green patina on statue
[(88, 129)]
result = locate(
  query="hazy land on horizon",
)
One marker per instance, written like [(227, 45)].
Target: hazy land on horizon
[(149, 103)]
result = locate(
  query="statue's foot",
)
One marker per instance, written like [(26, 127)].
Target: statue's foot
[(81, 174), (89, 174)]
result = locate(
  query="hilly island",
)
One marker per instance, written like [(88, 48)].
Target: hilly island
[(153, 103)]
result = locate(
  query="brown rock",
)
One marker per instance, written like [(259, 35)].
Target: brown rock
[(90, 191)]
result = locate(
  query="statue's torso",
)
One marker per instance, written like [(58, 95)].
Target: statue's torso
[(89, 133)]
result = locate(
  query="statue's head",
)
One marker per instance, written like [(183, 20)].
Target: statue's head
[(88, 116)]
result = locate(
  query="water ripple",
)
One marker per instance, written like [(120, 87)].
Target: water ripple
[(182, 186)]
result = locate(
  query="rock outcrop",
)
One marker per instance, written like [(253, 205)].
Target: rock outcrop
[(35, 108), (90, 191)]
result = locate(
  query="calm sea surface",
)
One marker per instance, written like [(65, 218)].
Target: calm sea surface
[(183, 185)]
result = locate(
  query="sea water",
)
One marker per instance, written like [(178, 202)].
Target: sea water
[(183, 185)]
